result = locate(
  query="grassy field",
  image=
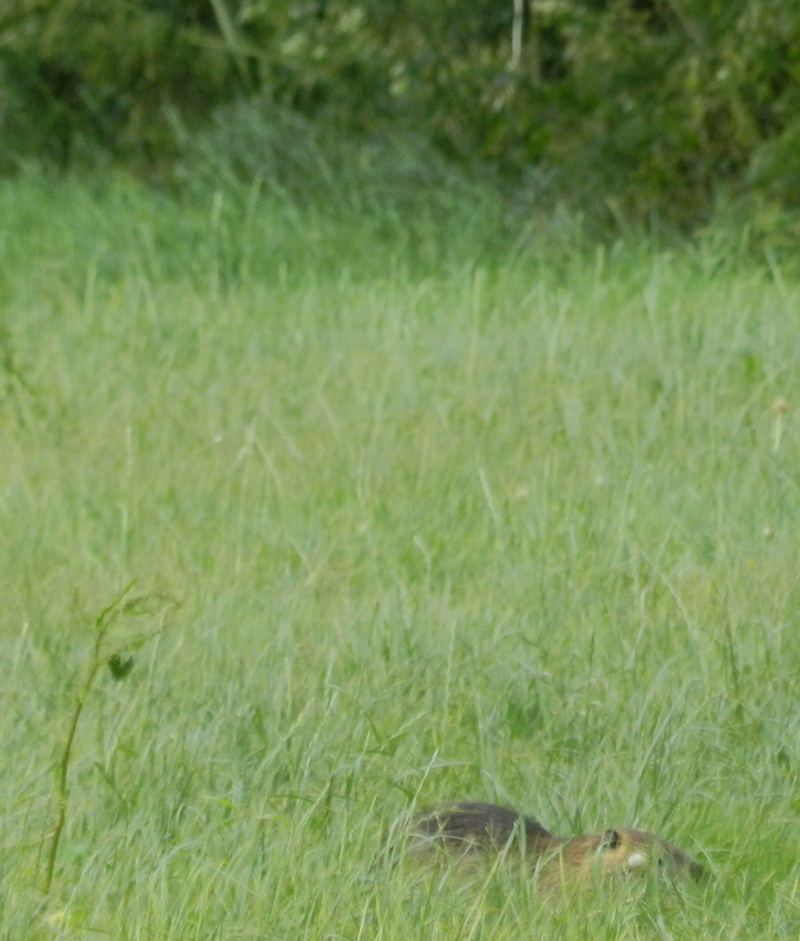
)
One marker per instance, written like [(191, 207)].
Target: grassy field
[(446, 512)]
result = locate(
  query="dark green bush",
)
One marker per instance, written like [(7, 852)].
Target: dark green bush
[(643, 109)]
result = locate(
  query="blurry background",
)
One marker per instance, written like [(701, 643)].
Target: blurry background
[(656, 110)]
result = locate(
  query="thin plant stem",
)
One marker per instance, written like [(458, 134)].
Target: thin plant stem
[(62, 792), (102, 624)]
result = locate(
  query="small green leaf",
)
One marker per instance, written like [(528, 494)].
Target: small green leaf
[(120, 666)]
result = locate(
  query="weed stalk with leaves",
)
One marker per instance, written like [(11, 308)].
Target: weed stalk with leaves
[(115, 653)]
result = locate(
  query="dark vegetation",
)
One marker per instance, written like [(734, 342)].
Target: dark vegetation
[(660, 111)]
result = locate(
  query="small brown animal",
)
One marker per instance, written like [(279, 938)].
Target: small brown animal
[(467, 829)]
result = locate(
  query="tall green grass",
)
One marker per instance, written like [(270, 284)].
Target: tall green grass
[(452, 510)]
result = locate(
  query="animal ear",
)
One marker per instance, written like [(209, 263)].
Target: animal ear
[(610, 840)]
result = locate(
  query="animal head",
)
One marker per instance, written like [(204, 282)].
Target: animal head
[(623, 851)]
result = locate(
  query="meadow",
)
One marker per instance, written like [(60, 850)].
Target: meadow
[(428, 504)]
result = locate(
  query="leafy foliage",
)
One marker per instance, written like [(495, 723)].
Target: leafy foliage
[(634, 107)]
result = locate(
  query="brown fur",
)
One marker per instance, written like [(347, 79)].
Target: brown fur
[(470, 829)]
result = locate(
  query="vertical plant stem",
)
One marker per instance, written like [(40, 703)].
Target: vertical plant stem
[(62, 792), (102, 623), (61, 785)]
